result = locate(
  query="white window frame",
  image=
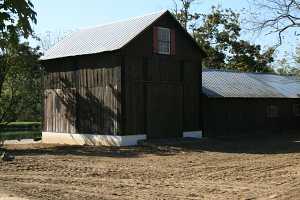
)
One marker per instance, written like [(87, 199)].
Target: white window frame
[(161, 41), (272, 111), (296, 110)]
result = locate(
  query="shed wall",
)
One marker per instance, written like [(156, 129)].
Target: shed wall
[(83, 95), (246, 116)]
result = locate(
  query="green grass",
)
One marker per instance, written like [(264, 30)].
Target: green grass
[(19, 135), (20, 130), (20, 126), (24, 123)]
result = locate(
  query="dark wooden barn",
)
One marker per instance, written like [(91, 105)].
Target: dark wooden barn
[(237, 104), (121, 82)]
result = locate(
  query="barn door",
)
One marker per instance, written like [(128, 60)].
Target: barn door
[(59, 111), (164, 110)]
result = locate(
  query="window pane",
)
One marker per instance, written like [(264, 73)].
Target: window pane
[(164, 34), (296, 109), (164, 40), (272, 111), (164, 48)]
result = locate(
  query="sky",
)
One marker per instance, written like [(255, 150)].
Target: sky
[(63, 16), (72, 14)]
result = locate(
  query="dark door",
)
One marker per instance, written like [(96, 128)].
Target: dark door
[(164, 110)]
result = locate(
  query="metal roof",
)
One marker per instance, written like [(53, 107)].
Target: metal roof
[(102, 38), (249, 85)]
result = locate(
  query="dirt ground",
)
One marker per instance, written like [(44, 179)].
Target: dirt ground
[(207, 169)]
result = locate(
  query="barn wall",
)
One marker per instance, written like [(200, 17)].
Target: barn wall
[(128, 92), (162, 92), (244, 116), (83, 94)]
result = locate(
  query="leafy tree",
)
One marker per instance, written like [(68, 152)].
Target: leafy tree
[(184, 15), (21, 88), (288, 65), (218, 32), (16, 18), (296, 69)]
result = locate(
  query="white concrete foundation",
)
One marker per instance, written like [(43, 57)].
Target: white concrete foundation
[(102, 140), (193, 134), (89, 139)]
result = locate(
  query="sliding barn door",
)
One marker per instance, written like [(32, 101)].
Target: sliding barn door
[(164, 110)]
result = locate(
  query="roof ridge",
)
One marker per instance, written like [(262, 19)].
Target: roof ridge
[(161, 12), (240, 72)]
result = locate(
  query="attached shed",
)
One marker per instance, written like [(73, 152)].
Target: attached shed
[(121, 82), (247, 103)]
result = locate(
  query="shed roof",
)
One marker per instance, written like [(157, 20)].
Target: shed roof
[(107, 37), (249, 85)]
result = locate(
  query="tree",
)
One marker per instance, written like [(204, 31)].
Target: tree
[(184, 15), (279, 16), (21, 90), (218, 32), (288, 65), (16, 18), (49, 39), (295, 70)]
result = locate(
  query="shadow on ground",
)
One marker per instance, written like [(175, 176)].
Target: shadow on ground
[(250, 145)]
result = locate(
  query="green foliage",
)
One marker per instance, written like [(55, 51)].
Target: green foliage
[(183, 14), (19, 69), (219, 34), (16, 18), (21, 92)]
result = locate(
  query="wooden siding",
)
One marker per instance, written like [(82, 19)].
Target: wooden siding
[(162, 96), (93, 89), (162, 91), (244, 116), (134, 90), (59, 110)]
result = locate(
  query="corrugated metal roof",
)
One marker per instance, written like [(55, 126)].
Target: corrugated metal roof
[(249, 85), (103, 38)]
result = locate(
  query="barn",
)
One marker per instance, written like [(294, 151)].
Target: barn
[(122, 82), (237, 104)]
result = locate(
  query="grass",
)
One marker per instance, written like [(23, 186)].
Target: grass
[(19, 135), (24, 123), (20, 130)]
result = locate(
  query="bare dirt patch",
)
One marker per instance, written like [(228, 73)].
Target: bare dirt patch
[(207, 169)]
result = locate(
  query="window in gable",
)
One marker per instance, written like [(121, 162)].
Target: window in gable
[(164, 41)]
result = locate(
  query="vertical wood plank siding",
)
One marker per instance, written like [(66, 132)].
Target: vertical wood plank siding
[(162, 98), (162, 91), (247, 116), (91, 106)]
